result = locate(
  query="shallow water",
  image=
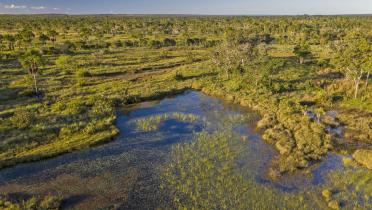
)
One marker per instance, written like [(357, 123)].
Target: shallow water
[(124, 172)]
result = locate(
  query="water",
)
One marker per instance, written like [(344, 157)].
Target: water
[(125, 172)]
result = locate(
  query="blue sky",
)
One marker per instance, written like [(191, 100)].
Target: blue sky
[(214, 7)]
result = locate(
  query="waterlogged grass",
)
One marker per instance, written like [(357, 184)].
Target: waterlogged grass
[(350, 189), (48, 202), (152, 123), (203, 174), (90, 123), (184, 117)]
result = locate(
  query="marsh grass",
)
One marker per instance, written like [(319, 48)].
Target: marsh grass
[(48, 202), (152, 123), (203, 174), (351, 188)]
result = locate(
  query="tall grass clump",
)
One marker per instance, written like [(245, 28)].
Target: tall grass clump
[(152, 123)]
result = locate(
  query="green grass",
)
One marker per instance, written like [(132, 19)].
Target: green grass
[(152, 123), (204, 175), (79, 98), (351, 188)]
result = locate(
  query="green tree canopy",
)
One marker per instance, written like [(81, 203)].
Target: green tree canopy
[(302, 51)]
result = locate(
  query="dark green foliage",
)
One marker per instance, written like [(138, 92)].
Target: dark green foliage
[(169, 42), (302, 51)]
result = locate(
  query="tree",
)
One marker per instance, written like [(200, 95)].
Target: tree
[(53, 36), (118, 44), (26, 37), (10, 41), (353, 57), (269, 69), (302, 51), (1, 42), (67, 47), (231, 59), (31, 60), (43, 39), (169, 42)]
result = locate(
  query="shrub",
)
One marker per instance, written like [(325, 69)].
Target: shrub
[(118, 44), (67, 47), (58, 106), (82, 73), (90, 128), (22, 118), (75, 107), (169, 42), (156, 44), (102, 108), (178, 76)]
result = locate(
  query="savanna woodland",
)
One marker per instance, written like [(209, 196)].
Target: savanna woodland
[(88, 121)]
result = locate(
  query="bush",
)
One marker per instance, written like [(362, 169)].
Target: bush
[(58, 106), (67, 47), (169, 42), (69, 130), (22, 118), (178, 76), (156, 44), (118, 44), (82, 73), (91, 128), (102, 108), (75, 107)]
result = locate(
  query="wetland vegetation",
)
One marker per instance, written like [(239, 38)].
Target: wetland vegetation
[(189, 112)]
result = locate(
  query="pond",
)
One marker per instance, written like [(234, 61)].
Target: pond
[(125, 173)]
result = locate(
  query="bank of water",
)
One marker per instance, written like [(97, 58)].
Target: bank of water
[(126, 173)]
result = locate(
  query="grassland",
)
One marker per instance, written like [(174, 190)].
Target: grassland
[(89, 71)]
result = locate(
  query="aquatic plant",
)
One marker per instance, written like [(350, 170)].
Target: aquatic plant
[(152, 123), (203, 174), (184, 117), (351, 187)]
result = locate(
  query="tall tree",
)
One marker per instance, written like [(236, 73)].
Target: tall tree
[(230, 59), (31, 61), (43, 39), (10, 39), (53, 36), (26, 37)]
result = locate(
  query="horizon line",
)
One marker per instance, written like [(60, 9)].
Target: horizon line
[(186, 14)]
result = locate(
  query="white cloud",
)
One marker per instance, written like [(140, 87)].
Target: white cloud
[(55, 8), (38, 7), (13, 6)]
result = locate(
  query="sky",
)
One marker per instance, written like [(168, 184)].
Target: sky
[(208, 7)]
